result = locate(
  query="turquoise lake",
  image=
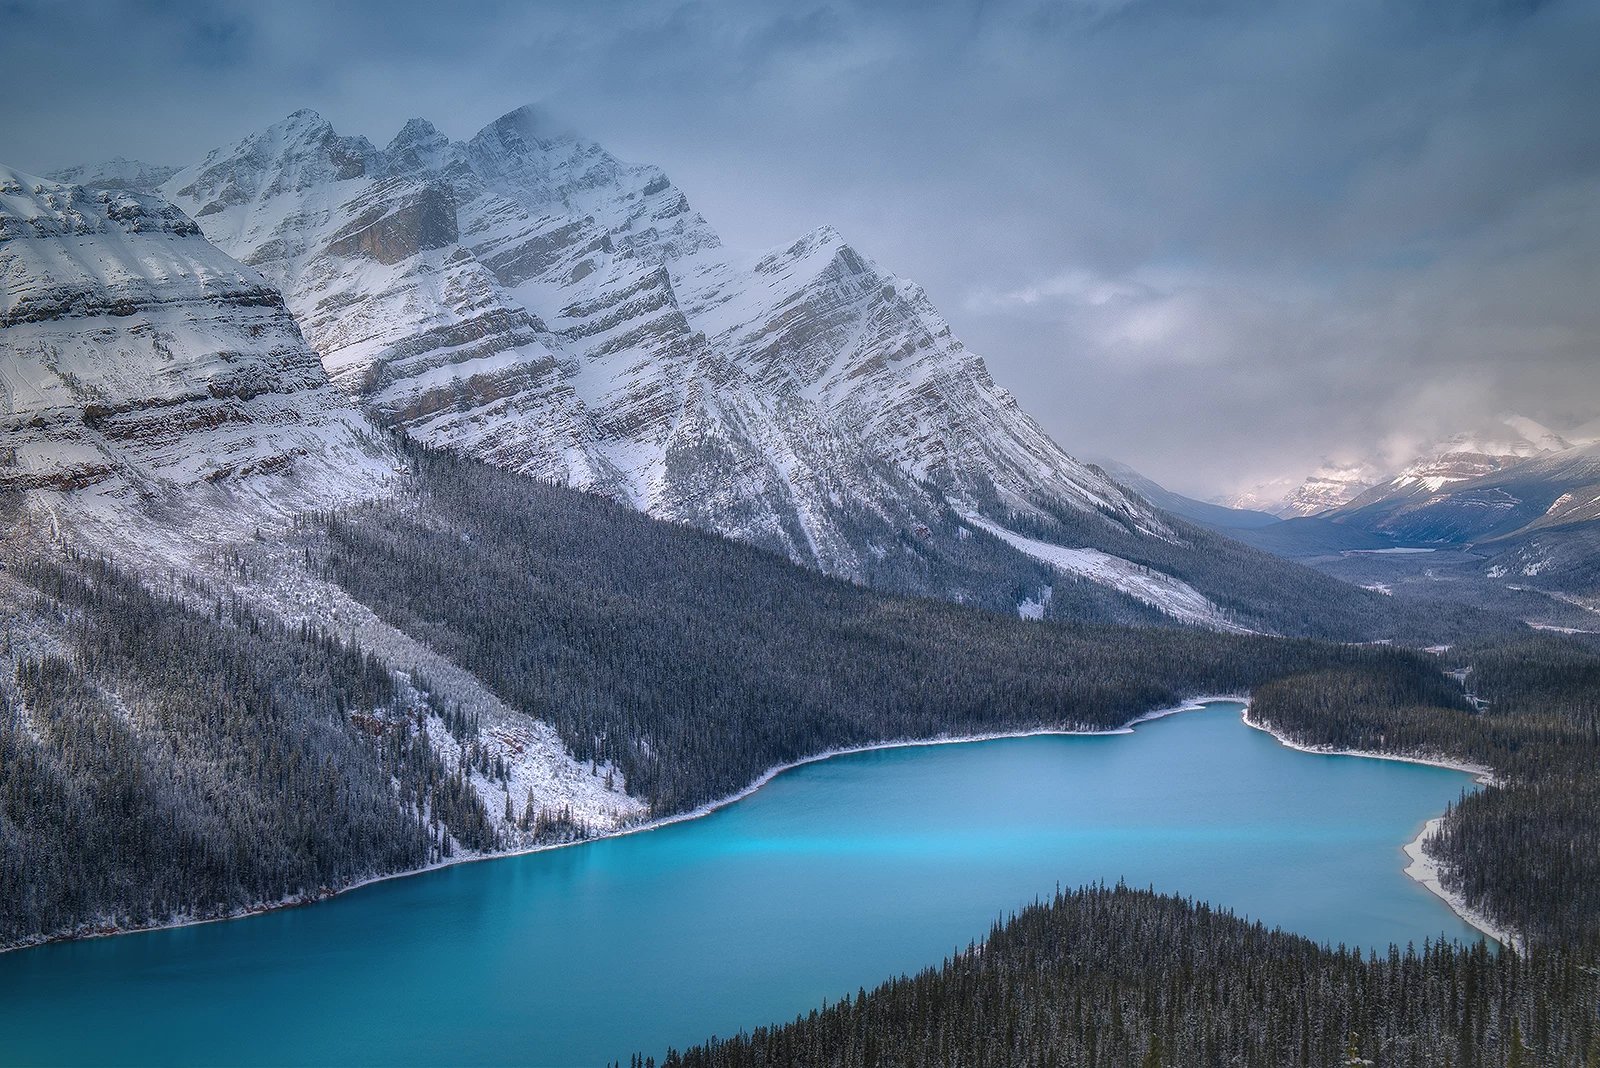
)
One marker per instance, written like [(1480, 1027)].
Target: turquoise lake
[(835, 875)]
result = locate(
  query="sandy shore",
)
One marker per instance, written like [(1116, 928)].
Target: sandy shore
[(1423, 868), (1484, 775)]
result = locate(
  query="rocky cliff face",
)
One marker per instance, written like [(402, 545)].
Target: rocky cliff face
[(526, 297), (1330, 486), (141, 363)]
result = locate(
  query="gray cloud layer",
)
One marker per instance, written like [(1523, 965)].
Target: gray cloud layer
[(1219, 239)]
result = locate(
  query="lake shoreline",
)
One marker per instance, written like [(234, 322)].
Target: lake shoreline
[(1423, 869), (468, 857), (1419, 862)]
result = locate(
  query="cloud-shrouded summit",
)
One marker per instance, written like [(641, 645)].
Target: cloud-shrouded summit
[(1225, 243)]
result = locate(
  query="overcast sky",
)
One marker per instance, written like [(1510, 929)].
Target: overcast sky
[(1218, 240)]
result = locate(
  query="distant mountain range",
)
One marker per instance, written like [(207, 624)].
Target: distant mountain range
[(1409, 505), (1508, 440), (1209, 513), (1524, 502)]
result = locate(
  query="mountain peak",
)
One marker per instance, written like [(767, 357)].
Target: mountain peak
[(1536, 433), (529, 122), (416, 130), (815, 249), (294, 128), (418, 146), (297, 152), (824, 237)]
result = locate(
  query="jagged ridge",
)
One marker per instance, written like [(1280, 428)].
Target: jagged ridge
[(527, 297)]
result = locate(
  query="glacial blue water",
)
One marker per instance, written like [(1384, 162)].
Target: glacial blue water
[(833, 876)]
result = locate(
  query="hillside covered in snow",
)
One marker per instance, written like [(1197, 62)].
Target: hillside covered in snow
[(142, 364), (527, 298)]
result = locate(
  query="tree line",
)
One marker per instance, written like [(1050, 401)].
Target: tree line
[(1527, 852), (1107, 977), (694, 663), (174, 762)]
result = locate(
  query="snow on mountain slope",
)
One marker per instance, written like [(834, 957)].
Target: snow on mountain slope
[(1508, 440), (1330, 486), (528, 298), (1173, 596), (141, 365), (1533, 525), (1444, 496), (159, 405), (819, 321), (1556, 489), (118, 173)]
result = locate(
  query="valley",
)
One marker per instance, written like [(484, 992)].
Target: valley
[(551, 629)]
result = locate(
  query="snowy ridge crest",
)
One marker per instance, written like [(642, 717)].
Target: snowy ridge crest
[(526, 297)]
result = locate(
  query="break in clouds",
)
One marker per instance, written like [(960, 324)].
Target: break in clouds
[(1219, 241)]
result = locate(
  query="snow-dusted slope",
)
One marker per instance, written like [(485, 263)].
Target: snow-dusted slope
[(142, 364), (818, 321), (526, 297), (1172, 596), (118, 173), (1423, 502), (1328, 487), (159, 404)]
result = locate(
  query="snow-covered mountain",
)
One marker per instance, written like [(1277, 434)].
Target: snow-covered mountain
[(1408, 504), (1329, 486), (1348, 486), (526, 297), (1545, 491), (159, 407), (143, 364), (116, 173)]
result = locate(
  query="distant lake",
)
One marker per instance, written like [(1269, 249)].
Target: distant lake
[(834, 876)]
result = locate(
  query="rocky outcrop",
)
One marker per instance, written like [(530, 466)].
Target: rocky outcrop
[(141, 362), (397, 228)]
